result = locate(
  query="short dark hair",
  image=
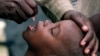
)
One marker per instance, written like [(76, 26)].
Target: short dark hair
[(71, 38)]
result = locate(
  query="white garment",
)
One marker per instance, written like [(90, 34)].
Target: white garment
[(88, 7), (3, 49)]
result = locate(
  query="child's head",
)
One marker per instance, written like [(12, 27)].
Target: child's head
[(60, 39)]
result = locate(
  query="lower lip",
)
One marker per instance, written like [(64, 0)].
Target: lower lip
[(29, 27)]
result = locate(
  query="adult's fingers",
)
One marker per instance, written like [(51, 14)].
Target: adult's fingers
[(21, 14), (15, 17), (77, 17), (15, 13), (95, 50), (80, 20), (89, 35), (87, 38), (24, 6), (33, 5), (90, 46), (11, 12)]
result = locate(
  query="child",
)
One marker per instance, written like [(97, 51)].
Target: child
[(54, 39)]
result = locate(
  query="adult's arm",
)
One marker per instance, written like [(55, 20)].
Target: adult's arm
[(55, 9)]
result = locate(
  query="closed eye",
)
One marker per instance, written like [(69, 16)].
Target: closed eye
[(52, 33), (55, 31)]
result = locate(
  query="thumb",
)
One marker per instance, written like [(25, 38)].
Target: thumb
[(80, 19)]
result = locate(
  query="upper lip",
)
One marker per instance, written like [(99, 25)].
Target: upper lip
[(30, 27)]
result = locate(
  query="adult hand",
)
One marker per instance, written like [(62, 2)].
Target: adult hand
[(18, 10), (90, 41)]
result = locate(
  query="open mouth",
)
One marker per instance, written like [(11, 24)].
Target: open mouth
[(30, 27)]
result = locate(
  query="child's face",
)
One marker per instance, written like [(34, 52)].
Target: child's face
[(46, 36)]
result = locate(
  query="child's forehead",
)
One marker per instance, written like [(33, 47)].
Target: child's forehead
[(61, 22)]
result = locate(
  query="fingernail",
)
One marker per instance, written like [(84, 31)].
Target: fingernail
[(85, 28), (94, 55), (83, 43), (87, 51)]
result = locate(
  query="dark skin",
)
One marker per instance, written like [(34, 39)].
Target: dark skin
[(55, 43), (95, 19), (20, 10), (82, 22)]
